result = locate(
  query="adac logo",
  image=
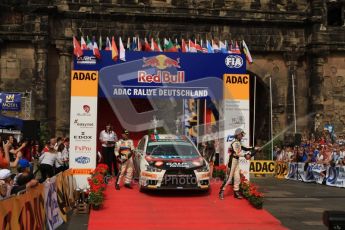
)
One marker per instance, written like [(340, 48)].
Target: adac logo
[(161, 63), (82, 160), (234, 61), (9, 98), (84, 76)]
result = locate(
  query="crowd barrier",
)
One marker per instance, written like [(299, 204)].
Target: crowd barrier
[(312, 172), (44, 206)]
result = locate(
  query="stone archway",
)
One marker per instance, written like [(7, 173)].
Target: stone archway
[(262, 110)]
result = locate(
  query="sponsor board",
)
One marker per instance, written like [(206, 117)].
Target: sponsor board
[(10, 101), (262, 167)]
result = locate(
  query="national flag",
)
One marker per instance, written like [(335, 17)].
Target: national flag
[(100, 42), (237, 49), (169, 46), (159, 46), (192, 47), (89, 43), (96, 52), (231, 49), (209, 47), (222, 47), (215, 47), (147, 46), (107, 44), (139, 45), (122, 50), (76, 48), (134, 46), (203, 46), (184, 46), (154, 45), (114, 51), (83, 44), (178, 47), (198, 47), (247, 53), (128, 43)]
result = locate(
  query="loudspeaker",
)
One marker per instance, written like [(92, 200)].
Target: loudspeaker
[(31, 130), (298, 139)]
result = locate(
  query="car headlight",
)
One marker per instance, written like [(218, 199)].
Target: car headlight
[(204, 168), (150, 168)]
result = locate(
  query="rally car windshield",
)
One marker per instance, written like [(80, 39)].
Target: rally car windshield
[(172, 150)]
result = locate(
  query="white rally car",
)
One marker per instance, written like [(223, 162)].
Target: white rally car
[(168, 161)]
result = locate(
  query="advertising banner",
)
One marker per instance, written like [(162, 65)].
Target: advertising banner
[(25, 211), (83, 124), (10, 101), (262, 167), (54, 219), (293, 171), (281, 169), (318, 171), (236, 112)]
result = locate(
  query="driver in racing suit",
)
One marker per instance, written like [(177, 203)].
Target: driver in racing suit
[(123, 152), (234, 169)]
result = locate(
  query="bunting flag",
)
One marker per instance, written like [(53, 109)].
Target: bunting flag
[(192, 48), (184, 48), (83, 44), (147, 46), (247, 53), (128, 43), (89, 43), (159, 46), (114, 51), (100, 42), (231, 49), (209, 47), (96, 52), (107, 44), (76, 48), (122, 50)]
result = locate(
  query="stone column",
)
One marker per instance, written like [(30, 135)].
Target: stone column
[(316, 89), (63, 91), (39, 99)]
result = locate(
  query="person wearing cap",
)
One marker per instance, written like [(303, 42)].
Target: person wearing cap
[(236, 152), (123, 152), (108, 139)]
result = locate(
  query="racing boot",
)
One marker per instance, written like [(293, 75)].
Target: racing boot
[(237, 195), (117, 187), (221, 195)]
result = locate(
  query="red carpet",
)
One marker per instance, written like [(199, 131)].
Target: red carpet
[(130, 209)]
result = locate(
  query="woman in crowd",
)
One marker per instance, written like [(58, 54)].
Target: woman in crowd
[(47, 163)]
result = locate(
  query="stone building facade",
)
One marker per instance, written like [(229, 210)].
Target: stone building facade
[(302, 38)]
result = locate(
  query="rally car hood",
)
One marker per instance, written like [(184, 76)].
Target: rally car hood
[(169, 163)]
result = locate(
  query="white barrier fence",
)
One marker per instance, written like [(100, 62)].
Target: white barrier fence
[(319, 173)]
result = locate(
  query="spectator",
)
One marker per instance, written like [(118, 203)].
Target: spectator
[(47, 161)]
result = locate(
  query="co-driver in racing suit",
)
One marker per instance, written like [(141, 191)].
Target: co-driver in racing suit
[(234, 169), (123, 152)]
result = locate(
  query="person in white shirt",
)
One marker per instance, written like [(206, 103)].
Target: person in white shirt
[(47, 162), (108, 139)]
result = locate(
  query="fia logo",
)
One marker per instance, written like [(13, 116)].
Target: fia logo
[(234, 61)]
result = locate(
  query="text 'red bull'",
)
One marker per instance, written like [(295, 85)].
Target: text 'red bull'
[(161, 77)]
